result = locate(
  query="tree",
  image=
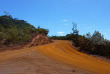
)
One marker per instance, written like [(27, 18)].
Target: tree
[(97, 38), (88, 35), (75, 34), (75, 31), (15, 31)]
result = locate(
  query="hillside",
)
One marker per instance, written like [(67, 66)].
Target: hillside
[(58, 57), (15, 33)]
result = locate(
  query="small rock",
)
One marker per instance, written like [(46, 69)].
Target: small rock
[(73, 70)]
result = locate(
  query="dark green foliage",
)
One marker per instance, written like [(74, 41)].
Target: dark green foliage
[(15, 31), (97, 38), (42, 30), (95, 44), (73, 38), (58, 37), (85, 44)]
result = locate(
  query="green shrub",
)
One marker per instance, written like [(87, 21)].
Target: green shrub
[(15, 31)]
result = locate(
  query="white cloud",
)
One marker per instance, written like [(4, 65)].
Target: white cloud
[(65, 20), (60, 33)]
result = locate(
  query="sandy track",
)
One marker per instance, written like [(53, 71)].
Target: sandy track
[(63, 51), (54, 58)]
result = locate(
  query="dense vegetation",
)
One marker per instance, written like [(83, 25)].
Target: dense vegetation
[(58, 37), (93, 44), (15, 31)]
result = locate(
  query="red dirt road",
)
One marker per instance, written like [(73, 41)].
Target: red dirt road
[(55, 58)]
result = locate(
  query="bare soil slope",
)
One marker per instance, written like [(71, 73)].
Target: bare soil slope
[(54, 58), (37, 40)]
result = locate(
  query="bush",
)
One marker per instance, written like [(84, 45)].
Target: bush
[(42, 30), (95, 44), (58, 37), (15, 31)]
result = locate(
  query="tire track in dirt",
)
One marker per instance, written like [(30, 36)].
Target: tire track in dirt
[(63, 52), (60, 52)]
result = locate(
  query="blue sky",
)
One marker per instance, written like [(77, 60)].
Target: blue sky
[(58, 15)]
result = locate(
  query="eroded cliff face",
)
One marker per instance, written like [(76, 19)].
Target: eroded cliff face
[(39, 39)]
